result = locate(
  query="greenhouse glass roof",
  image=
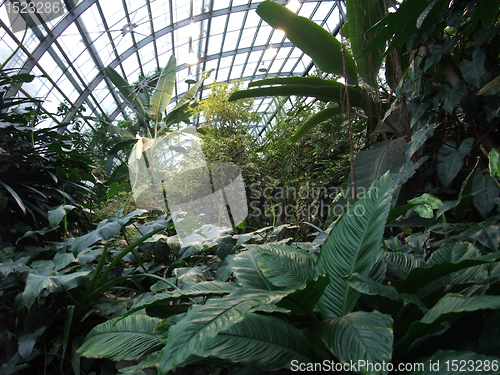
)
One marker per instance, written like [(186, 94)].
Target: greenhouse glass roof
[(68, 54)]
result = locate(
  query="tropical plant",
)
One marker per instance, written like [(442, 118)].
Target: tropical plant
[(39, 169), (288, 308), (50, 293)]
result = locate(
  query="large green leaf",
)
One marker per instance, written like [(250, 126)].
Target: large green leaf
[(473, 71), (484, 189), (456, 303), (247, 271), (163, 91), (312, 39), (398, 26), (361, 16), (201, 289), (449, 362), (304, 299), (263, 341), (322, 89), (126, 339), (203, 322), (401, 264), (105, 230), (359, 338), (353, 245), (318, 118), (283, 271), (36, 283), (128, 93), (451, 159), (459, 259), (56, 215), (455, 255), (294, 253)]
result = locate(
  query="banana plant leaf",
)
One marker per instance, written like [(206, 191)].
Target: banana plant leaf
[(322, 89), (128, 94), (312, 39), (317, 119), (163, 91)]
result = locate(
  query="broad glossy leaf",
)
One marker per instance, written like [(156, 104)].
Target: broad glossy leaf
[(263, 341), (449, 362), (484, 190), (418, 139), (247, 271), (57, 214), (318, 118), (472, 71), (451, 159), (422, 276), (305, 298), (201, 289), (283, 271), (312, 39), (203, 322), (27, 342), (456, 303), (163, 91), (105, 230), (8, 266), (425, 204), (35, 284), (294, 253), (402, 22), (451, 96), (359, 336), (124, 339), (322, 89), (353, 246)]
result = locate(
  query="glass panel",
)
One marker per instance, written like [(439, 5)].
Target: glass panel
[(236, 21), (214, 44), (218, 25), (306, 9), (71, 40), (231, 39), (221, 4)]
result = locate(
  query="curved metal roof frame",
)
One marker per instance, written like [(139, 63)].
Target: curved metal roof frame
[(250, 50)]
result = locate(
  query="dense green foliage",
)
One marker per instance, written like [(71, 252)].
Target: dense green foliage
[(402, 274)]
